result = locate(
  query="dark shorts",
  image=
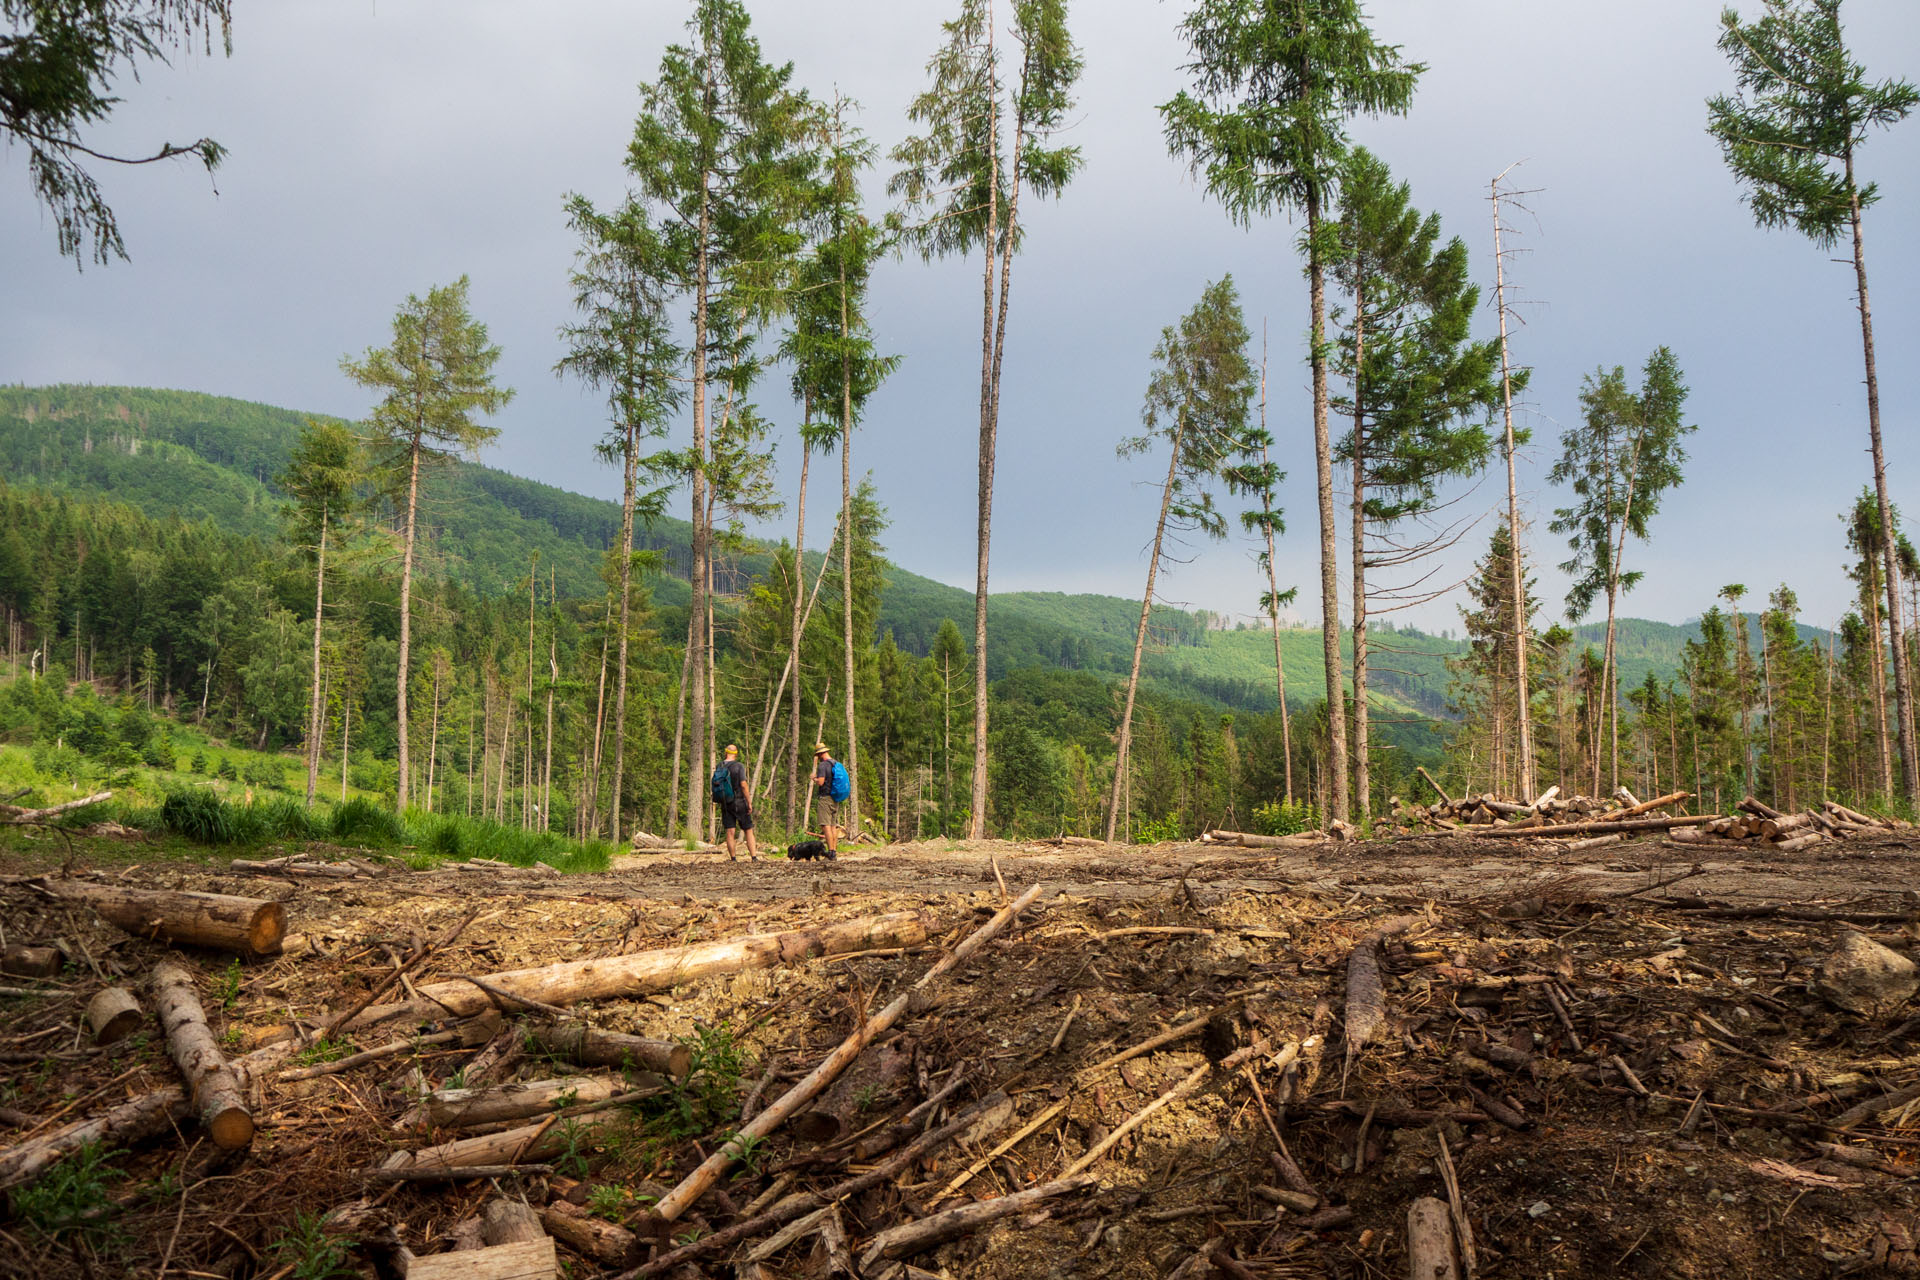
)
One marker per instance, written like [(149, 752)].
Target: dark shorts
[(736, 814)]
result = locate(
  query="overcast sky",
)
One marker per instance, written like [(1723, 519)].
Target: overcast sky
[(380, 149)]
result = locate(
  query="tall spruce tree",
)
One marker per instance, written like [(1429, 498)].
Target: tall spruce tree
[(1619, 462), (1196, 406), (718, 149), (320, 478), (1416, 382), (1274, 88), (1789, 132), (436, 374), (622, 345), (985, 143)]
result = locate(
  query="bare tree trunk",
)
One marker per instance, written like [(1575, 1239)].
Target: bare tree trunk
[(1879, 669), (346, 723), (1329, 555), (406, 615), (697, 638), (590, 799), (1524, 701), (1273, 588), (679, 729), (1902, 688), (1140, 633), (846, 552), (713, 691), (628, 461), (989, 429), (553, 681), (319, 612), (794, 757), (433, 737), (1362, 775)]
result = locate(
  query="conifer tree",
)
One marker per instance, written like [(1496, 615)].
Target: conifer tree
[(437, 372), (717, 148), (1196, 405), (1619, 463), (1801, 110), (621, 344), (1275, 86), (1866, 541), (320, 478), (986, 143), (1416, 382)]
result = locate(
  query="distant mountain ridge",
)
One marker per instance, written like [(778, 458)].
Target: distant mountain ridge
[(203, 457)]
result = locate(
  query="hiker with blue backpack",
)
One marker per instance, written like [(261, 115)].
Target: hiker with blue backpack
[(736, 808), (832, 787)]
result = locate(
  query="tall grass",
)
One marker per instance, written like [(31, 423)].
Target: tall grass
[(459, 838)]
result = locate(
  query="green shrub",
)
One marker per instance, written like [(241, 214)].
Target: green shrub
[(1279, 819), (199, 762), (58, 761), (363, 821), (226, 770), (200, 815), (265, 773), (1157, 830), (71, 1197)]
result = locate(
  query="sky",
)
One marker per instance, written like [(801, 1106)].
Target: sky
[(379, 149)]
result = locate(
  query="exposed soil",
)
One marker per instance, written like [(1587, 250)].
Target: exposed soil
[(1670, 1130)]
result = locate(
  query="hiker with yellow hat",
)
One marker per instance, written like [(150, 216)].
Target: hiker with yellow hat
[(736, 806), (831, 788)]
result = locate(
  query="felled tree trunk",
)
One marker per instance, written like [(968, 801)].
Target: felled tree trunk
[(843, 1107), (248, 926), (579, 1043), (607, 1243), (214, 1087), (464, 1108), (126, 1124), (645, 971), (529, 1143)]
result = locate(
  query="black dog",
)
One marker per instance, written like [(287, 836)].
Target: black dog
[(802, 850)]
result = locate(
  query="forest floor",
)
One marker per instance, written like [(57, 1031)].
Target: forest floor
[(1623, 1056)]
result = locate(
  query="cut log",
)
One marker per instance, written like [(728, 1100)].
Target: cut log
[(1592, 826), (527, 1260), (1422, 771), (607, 1243), (1625, 797), (534, 1142), (1430, 1241), (1250, 840), (647, 971), (1636, 809), (471, 1033), (31, 962), (296, 867), (1544, 801), (214, 1087), (130, 1122), (695, 1184), (249, 926), (910, 1238), (842, 1109), (1798, 843), (1758, 810), (510, 1222), (579, 1043), (113, 1014), (1595, 842), (465, 1108), (1366, 1000)]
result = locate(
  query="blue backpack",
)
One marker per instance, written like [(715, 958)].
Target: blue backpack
[(722, 785), (841, 786)]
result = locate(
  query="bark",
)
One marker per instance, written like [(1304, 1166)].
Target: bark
[(1336, 767), (578, 1042), (211, 1083), (1523, 699), (989, 429), (146, 1116), (697, 637), (1366, 1000), (607, 1243), (795, 756), (1587, 828), (248, 926), (466, 1108), (406, 609), (510, 1222), (1362, 775), (646, 971), (1140, 633), (313, 715), (846, 553), (1430, 1241), (679, 731), (525, 1145), (1902, 679), (522, 1260), (910, 1238), (113, 1015)]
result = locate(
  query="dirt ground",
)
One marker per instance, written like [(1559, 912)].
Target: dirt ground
[(1623, 1055)]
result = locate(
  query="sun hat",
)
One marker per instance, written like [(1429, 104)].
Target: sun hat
[(820, 748)]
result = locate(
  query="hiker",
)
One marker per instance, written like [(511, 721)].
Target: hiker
[(736, 807), (832, 787)]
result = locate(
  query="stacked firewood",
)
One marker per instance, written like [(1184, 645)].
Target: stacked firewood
[(1789, 832)]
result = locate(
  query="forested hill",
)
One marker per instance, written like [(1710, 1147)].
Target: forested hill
[(204, 457)]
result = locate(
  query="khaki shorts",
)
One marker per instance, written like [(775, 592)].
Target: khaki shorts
[(828, 809)]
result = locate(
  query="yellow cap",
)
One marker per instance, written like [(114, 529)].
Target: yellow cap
[(732, 750)]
